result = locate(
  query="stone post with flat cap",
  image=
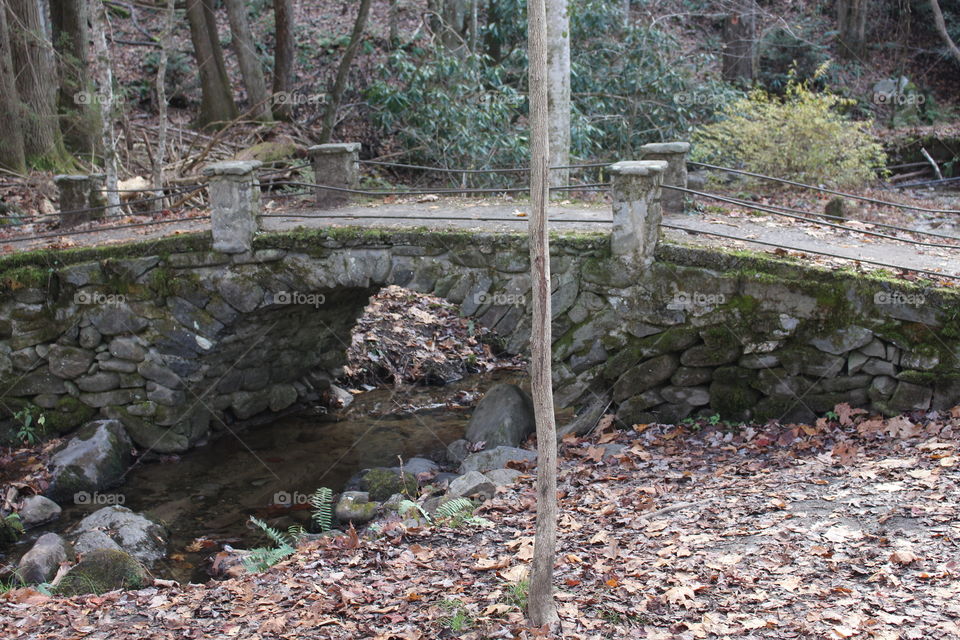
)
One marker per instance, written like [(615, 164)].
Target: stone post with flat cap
[(234, 204), (335, 165), (81, 198), (675, 155), (636, 192)]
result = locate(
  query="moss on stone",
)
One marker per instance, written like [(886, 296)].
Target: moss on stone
[(69, 414), (103, 570), (381, 483)]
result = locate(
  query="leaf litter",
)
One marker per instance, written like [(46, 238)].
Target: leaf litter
[(848, 528)]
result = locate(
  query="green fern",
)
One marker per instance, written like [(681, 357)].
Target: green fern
[(454, 508), (262, 558), (406, 506), (322, 503)]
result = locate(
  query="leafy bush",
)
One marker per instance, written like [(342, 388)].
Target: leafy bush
[(801, 136)]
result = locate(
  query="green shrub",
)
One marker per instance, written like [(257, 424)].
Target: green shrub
[(802, 136)]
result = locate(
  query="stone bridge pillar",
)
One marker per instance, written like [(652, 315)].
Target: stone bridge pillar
[(234, 204), (82, 195), (636, 187), (335, 165), (675, 155)]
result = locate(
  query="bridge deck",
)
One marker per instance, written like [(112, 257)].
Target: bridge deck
[(501, 216)]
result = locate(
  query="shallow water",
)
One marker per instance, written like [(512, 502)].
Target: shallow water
[(270, 471)]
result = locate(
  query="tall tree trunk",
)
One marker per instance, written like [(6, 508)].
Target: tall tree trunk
[(11, 109), (160, 156), (79, 117), (250, 68), (216, 104), (103, 73), (558, 89), (852, 25), (739, 43), (32, 56), (283, 57), (343, 72), (541, 607), (942, 29)]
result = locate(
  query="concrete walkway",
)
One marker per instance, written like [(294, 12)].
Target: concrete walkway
[(500, 216)]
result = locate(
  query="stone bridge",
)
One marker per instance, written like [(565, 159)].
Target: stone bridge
[(185, 336)]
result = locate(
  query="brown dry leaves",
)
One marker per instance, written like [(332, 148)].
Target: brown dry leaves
[(835, 530)]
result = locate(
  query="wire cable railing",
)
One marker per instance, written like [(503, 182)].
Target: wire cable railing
[(777, 245), (805, 216), (843, 194)]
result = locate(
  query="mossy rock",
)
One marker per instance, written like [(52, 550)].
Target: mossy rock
[(103, 570), (382, 482), (733, 400), (69, 414), (10, 530)]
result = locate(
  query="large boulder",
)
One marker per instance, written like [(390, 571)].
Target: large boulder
[(134, 533), (104, 570), (94, 459), (37, 510), (503, 417), (496, 458), (41, 563)]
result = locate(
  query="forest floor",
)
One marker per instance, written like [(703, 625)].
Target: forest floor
[(848, 528)]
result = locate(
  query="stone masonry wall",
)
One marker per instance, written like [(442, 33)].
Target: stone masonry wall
[(178, 341)]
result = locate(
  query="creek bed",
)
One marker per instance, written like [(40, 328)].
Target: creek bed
[(206, 496)]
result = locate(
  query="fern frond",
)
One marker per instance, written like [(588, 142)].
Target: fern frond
[(454, 508), (322, 503), (406, 506), (280, 539)]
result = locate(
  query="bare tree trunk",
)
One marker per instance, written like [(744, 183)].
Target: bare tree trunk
[(852, 24), (11, 109), (283, 58), (393, 19), (340, 84), (160, 156), (32, 56), (541, 608), (70, 26), (942, 29), (250, 68), (216, 105), (103, 73), (558, 89), (739, 43)]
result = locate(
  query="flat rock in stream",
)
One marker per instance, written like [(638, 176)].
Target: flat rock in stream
[(94, 459)]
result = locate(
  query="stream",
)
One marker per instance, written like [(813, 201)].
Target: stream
[(209, 493)]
